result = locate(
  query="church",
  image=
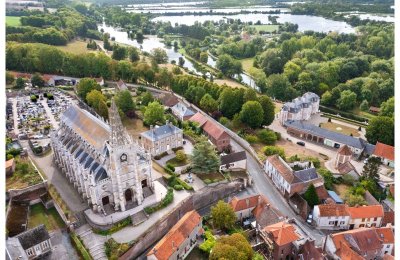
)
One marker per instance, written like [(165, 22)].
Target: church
[(109, 170)]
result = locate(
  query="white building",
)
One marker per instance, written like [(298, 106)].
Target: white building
[(301, 108), (366, 216), (244, 207), (162, 139), (331, 216), (103, 163)]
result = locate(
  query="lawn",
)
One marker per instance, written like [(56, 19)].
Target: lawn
[(13, 20), (76, 47), (229, 82), (266, 28), (134, 126), (50, 218), (247, 64), (211, 177), (278, 107), (25, 175), (339, 128), (366, 114), (174, 162)]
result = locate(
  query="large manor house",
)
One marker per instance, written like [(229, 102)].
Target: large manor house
[(301, 108), (109, 170)]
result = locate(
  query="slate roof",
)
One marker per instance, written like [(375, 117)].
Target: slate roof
[(282, 233), (233, 157), (121, 85), (33, 236), (321, 132), (300, 102), (309, 252), (176, 236), (161, 132), (306, 174), (384, 151), (93, 130), (182, 110)]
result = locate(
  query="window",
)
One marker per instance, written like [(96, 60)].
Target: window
[(388, 246), (363, 219), (29, 252), (375, 219)]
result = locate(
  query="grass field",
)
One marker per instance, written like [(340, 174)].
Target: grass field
[(247, 64), (266, 28), (339, 128), (24, 175), (365, 114), (50, 218), (13, 20), (134, 126), (76, 47), (229, 83), (174, 162)]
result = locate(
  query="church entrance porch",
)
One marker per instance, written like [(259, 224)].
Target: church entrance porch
[(105, 200), (128, 195)]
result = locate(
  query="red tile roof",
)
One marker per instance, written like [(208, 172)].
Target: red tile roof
[(328, 210), (168, 99), (199, 118), (371, 211), (245, 203), (345, 150), (346, 253), (21, 75), (384, 151), (321, 192), (310, 252), (346, 168), (386, 234), (388, 218), (387, 257), (176, 236), (99, 80), (283, 233), (366, 239), (208, 126)]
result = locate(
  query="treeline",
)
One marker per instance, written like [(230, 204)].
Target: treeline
[(242, 49), (55, 29)]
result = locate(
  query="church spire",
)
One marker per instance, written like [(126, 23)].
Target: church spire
[(118, 134)]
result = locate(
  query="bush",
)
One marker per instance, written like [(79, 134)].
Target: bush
[(159, 156), (272, 150), (207, 181), (171, 167), (343, 114), (278, 136), (178, 187), (251, 139), (80, 247), (348, 179), (180, 156), (177, 149), (169, 197), (208, 243), (267, 136), (33, 98)]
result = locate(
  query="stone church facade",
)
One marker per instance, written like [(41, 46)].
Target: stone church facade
[(108, 169)]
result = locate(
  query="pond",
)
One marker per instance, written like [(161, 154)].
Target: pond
[(305, 22)]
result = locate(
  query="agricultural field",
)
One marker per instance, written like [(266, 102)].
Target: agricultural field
[(13, 20), (76, 47)]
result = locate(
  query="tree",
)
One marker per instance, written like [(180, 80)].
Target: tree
[(204, 158), (347, 100), (203, 57), (250, 95), (20, 83), (181, 61), (180, 156), (371, 169), (94, 97), (328, 178), (364, 106), (278, 86), (147, 98), (311, 196), (154, 113), (133, 54), (327, 99), (37, 80), (354, 199), (9, 78), (269, 109), (124, 101), (233, 247), (267, 136), (119, 52), (223, 216), (85, 86), (229, 102), (252, 114), (387, 108), (159, 55), (228, 65), (208, 103), (380, 128), (102, 109)]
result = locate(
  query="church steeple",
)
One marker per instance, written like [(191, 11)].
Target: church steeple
[(119, 136)]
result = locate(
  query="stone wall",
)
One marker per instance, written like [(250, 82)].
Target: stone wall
[(17, 192), (201, 199)]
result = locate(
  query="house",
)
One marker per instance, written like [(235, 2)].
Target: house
[(180, 240), (243, 207), (265, 214), (385, 152), (234, 162), (121, 85), (161, 139), (215, 133), (168, 100), (374, 110), (287, 180), (331, 216), (362, 243), (310, 132), (347, 168), (365, 216), (10, 167), (32, 244), (285, 239), (310, 252), (181, 111), (301, 108), (100, 81)]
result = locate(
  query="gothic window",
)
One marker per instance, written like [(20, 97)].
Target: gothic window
[(123, 158)]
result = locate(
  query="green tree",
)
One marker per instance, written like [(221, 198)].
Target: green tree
[(327, 99), (85, 86), (267, 136), (311, 196), (204, 158), (354, 199), (269, 109), (233, 247), (347, 100), (229, 102), (371, 169), (328, 178), (278, 86), (119, 52), (181, 61), (252, 114), (124, 101), (20, 83), (380, 128), (9, 78), (223, 216), (228, 65), (133, 54), (208, 103), (147, 98), (180, 155), (203, 57), (102, 109), (272, 150), (154, 113), (94, 97), (159, 55), (364, 106), (387, 108), (37, 80), (250, 95)]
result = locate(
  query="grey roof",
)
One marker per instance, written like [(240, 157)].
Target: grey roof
[(369, 148), (233, 157), (161, 132), (182, 110), (335, 197), (300, 102), (306, 174), (315, 130), (33, 236)]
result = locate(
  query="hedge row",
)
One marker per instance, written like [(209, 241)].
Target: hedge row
[(118, 226), (80, 247), (343, 114), (169, 197)]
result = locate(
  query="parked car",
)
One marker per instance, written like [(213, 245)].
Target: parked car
[(301, 143), (309, 219)]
